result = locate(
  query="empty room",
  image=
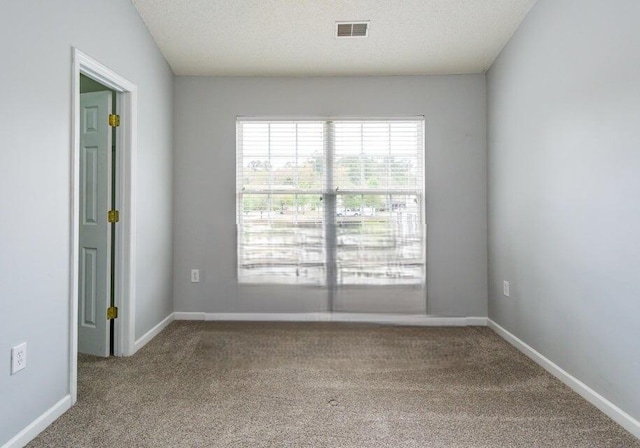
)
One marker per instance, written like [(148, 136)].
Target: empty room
[(320, 223)]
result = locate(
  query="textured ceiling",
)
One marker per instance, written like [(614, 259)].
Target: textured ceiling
[(296, 37)]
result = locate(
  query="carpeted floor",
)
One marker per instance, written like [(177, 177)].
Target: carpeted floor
[(204, 384)]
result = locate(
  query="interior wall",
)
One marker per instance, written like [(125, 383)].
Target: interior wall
[(88, 85), (205, 161), (35, 177), (564, 184)]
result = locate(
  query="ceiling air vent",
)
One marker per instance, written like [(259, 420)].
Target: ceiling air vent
[(352, 29)]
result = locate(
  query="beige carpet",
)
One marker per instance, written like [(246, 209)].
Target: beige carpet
[(201, 384)]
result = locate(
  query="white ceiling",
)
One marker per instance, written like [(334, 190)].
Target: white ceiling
[(296, 37)]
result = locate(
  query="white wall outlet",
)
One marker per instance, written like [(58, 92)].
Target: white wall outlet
[(18, 358), (505, 288), (195, 275)]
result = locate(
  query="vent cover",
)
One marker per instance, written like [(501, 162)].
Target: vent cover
[(352, 29)]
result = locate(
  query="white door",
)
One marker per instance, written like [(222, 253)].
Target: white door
[(95, 253)]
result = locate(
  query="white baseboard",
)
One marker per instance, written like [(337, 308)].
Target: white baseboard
[(611, 410), (188, 316), (153, 332), (390, 319), (477, 321), (40, 424)]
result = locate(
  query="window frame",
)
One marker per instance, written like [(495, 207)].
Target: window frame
[(329, 196)]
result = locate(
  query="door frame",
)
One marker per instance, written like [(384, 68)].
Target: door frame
[(125, 239)]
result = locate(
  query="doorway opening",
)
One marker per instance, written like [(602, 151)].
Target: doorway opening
[(102, 280), (99, 121)]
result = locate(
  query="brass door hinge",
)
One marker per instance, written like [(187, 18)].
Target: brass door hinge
[(113, 216), (114, 120), (112, 312)]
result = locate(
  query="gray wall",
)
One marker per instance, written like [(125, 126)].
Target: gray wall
[(564, 190), (205, 235), (89, 85), (35, 129)]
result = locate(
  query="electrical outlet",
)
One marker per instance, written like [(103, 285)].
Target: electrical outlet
[(18, 358), (195, 275), (505, 288)]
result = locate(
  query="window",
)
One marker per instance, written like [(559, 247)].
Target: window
[(337, 202)]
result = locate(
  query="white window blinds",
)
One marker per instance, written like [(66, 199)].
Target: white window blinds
[(336, 202)]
